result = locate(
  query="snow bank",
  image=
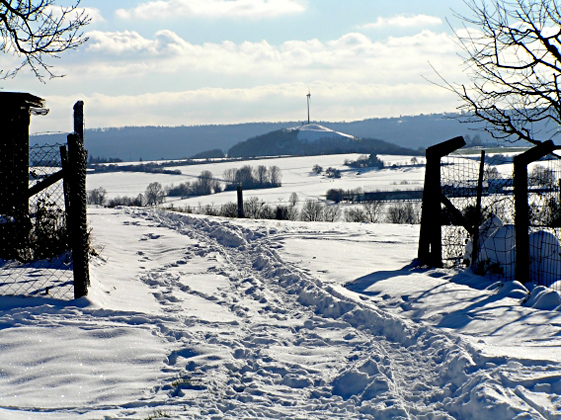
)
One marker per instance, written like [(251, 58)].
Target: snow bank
[(497, 252)]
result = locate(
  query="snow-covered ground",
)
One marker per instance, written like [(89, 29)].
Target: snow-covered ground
[(195, 317), (296, 172)]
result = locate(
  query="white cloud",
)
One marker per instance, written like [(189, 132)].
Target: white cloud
[(404, 21), (166, 9), (167, 80), (352, 57), (118, 43)]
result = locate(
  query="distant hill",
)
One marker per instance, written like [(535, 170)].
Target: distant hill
[(311, 139), (150, 143)]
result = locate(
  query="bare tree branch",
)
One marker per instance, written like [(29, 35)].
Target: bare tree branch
[(37, 29), (511, 52)]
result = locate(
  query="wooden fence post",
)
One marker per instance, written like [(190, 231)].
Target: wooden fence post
[(521, 212), (430, 239), (79, 119), (77, 223), (241, 214)]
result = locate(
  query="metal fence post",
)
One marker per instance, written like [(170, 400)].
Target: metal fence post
[(77, 160)]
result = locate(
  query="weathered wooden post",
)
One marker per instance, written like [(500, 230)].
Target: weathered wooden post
[(521, 213), (241, 214), (76, 178), (15, 111), (79, 119), (430, 239)]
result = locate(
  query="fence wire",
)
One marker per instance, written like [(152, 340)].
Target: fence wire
[(544, 203), (496, 246), (43, 263)]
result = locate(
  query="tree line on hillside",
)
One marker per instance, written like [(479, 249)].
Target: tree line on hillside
[(313, 210), (205, 184), (151, 167), (150, 143), (371, 161), (253, 178)]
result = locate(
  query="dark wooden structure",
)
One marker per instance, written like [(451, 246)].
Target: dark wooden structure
[(15, 114), (430, 247), (521, 221), (430, 239), (15, 192)]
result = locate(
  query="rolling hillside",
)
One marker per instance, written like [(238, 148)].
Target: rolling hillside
[(149, 143)]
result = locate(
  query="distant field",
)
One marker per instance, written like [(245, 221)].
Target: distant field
[(501, 150), (297, 177)]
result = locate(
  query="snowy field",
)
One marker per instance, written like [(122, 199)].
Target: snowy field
[(296, 172), (196, 317)]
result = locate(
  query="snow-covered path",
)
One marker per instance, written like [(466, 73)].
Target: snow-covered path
[(195, 317), (295, 349)]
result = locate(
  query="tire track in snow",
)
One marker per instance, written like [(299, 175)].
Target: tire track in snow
[(268, 363)]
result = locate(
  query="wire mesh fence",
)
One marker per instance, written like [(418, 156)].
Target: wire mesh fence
[(460, 178), (494, 254), (42, 263), (544, 203)]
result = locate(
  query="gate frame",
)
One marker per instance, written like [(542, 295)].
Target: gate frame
[(430, 238)]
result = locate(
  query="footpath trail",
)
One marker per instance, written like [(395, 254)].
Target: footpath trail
[(298, 348)]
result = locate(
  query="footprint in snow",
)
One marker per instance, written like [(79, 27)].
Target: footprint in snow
[(150, 236)]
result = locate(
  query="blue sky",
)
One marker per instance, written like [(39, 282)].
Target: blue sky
[(189, 62)]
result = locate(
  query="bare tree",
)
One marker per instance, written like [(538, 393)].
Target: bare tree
[(372, 210), (293, 199), (244, 177), (331, 213), (261, 175), (37, 29), (312, 211), (275, 176), (154, 194), (403, 213), (229, 175), (542, 176), (205, 184), (511, 50), (97, 196), (354, 214)]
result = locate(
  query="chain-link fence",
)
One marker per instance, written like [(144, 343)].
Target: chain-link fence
[(481, 189), (544, 202), (42, 264), (460, 175)]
